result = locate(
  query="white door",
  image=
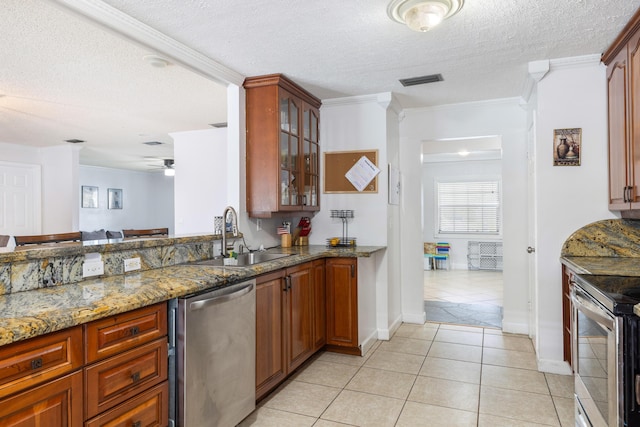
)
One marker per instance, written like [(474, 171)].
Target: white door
[(532, 229), (19, 199)]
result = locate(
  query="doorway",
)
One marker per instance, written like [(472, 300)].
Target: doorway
[(465, 293)]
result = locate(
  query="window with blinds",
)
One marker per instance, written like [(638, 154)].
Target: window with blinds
[(469, 207)]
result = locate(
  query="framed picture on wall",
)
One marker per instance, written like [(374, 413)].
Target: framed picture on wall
[(567, 146), (115, 198), (89, 196)]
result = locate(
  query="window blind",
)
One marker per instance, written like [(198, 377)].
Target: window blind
[(469, 207)]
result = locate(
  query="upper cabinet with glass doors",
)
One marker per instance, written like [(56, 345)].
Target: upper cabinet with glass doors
[(283, 168)]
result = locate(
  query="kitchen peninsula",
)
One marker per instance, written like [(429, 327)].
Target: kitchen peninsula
[(57, 328), (29, 309)]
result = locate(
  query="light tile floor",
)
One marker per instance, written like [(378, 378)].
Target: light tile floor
[(464, 286), (427, 375)]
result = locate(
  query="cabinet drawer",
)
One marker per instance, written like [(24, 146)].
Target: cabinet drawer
[(149, 409), (117, 379), (55, 404), (31, 362), (113, 335)]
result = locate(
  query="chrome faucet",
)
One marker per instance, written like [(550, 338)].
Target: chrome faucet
[(234, 228)]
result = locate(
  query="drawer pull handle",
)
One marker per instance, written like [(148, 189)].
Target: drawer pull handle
[(36, 363), (134, 331), (135, 377), (137, 424)]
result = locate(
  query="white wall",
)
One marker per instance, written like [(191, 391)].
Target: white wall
[(201, 179), (498, 117), (365, 123), (471, 170), (571, 95), (59, 166), (147, 199)]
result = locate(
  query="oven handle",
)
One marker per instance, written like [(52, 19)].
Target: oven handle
[(585, 303)]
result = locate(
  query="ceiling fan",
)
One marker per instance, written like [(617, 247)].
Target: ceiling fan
[(168, 166)]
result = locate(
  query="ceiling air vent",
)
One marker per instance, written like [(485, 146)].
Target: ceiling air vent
[(413, 81), (74, 141), (152, 143)]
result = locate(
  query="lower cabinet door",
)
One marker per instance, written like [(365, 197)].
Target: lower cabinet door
[(149, 409), (117, 379), (270, 365), (342, 304), (55, 404)]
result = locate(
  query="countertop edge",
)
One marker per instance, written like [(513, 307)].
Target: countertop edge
[(154, 286)]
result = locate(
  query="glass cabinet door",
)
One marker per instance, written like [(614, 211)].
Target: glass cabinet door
[(311, 153), (289, 148)]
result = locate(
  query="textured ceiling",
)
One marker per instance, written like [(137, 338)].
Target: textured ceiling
[(336, 48), (65, 78)]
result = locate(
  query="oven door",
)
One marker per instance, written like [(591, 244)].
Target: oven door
[(597, 349)]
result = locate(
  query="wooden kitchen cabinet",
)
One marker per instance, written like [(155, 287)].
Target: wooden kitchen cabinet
[(127, 357), (342, 304), (287, 329), (32, 385), (566, 314), (37, 360), (124, 380), (283, 165), (57, 403), (299, 314), (623, 85), (319, 305), (270, 366)]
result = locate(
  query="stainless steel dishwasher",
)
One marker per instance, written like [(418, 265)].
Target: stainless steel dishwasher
[(215, 356)]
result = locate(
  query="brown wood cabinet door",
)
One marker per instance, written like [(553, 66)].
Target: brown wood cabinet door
[(342, 302), (117, 379), (34, 361), (319, 305), (270, 365), (299, 314), (148, 409), (283, 173), (633, 48), (115, 334), (55, 404), (566, 314), (618, 132)]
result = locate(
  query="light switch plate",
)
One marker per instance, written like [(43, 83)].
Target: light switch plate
[(92, 268), (132, 264)]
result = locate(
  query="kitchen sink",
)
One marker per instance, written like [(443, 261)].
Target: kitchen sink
[(243, 260)]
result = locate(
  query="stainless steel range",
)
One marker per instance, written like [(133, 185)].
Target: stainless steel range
[(606, 351)]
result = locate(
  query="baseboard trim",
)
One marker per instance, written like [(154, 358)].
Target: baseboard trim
[(369, 342), (419, 319), (554, 367)]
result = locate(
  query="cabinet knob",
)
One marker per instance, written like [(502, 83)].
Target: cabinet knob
[(36, 363), (137, 424), (531, 250), (135, 377), (133, 331)]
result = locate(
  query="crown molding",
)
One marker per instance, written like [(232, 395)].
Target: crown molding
[(142, 34)]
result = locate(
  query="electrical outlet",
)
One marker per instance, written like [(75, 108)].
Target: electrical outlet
[(132, 264), (92, 268), (259, 224)]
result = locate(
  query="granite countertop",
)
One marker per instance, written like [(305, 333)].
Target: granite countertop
[(605, 266), (28, 314)]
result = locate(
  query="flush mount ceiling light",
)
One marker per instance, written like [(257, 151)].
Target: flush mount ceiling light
[(422, 15)]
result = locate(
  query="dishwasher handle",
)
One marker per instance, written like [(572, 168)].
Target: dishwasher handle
[(197, 305)]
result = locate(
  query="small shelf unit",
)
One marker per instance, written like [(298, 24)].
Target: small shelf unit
[(484, 255), (345, 241)]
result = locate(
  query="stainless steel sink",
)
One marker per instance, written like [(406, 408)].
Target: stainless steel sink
[(243, 260)]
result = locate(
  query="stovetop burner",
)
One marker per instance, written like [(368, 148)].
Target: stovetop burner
[(617, 293)]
